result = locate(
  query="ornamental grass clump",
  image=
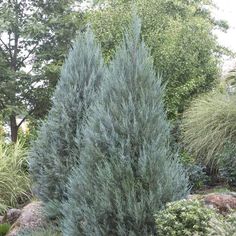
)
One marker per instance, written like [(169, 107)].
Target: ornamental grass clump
[(14, 179), (209, 124)]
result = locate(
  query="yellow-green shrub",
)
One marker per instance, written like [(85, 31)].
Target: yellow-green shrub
[(184, 218)]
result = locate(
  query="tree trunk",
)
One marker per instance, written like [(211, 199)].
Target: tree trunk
[(14, 128)]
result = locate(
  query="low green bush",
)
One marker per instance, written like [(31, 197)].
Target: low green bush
[(227, 164), (4, 228), (198, 177), (184, 218), (14, 180)]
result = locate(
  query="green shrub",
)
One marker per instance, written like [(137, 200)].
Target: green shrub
[(14, 180), (226, 227), (196, 171), (184, 218), (197, 176), (4, 228), (127, 169), (209, 124), (227, 164)]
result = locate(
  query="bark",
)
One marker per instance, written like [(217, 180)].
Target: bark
[(14, 128)]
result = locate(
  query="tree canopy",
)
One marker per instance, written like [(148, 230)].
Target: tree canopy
[(34, 36), (180, 34)]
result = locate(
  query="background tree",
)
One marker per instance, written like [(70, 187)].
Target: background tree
[(56, 150), (180, 34), (127, 170), (34, 36)]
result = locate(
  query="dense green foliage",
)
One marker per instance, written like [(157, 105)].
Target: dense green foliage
[(227, 163), (180, 35), (56, 150), (127, 171), (196, 171), (14, 180), (208, 124), (184, 218)]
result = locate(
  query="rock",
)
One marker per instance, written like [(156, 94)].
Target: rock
[(222, 202), (31, 218), (13, 215), (192, 197)]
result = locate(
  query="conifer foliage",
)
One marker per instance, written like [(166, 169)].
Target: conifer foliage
[(127, 171), (56, 150)]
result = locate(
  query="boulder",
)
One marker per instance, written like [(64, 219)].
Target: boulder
[(223, 202), (13, 215), (31, 217)]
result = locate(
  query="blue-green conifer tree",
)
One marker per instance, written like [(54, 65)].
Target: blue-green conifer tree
[(58, 145), (127, 171)]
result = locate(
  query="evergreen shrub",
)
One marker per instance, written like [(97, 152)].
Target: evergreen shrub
[(57, 150), (40, 232), (127, 170)]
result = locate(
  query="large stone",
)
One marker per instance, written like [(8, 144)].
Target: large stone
[(13, 215), (31, 218), (223, 202)]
